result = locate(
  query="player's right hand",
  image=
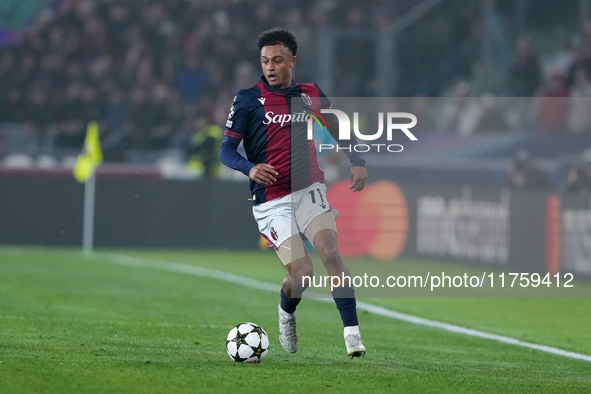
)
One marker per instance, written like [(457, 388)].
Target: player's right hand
[(263, 173)]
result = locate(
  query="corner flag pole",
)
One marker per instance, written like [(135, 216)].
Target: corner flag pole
[(84, 172), (88, 218)]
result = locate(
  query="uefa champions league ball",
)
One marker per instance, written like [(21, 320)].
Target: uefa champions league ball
[(247, 343)]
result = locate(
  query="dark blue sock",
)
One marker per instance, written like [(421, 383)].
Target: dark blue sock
[(344, 297), (289, 304)]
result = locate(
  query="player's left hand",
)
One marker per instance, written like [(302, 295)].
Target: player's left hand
[(358, 178)]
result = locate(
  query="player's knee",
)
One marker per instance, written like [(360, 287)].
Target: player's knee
[(297, 282), (327, 249), (304, 270), (299, 277), (286, 285)]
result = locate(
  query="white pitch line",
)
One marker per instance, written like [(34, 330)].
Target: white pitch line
[(378, 310)]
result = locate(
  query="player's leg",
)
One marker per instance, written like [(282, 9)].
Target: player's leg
[(298, 263), (275, 221), (322, 232)]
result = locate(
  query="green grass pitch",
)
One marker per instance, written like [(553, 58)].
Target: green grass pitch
[(76, 324)]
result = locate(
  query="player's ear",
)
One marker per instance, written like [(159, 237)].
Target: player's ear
[(292, 61)]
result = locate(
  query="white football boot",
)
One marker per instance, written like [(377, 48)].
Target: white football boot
[(287, 331), (355, 347)]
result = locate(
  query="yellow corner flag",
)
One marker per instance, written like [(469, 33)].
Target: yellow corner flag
[(91, 157)]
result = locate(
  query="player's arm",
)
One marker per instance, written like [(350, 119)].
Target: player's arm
[(230, 157), (358, 171), (358, 178), (356, 158), (235, 127), (237, 121), (261, 173)]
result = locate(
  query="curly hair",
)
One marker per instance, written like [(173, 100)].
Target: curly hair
[(278, 35)]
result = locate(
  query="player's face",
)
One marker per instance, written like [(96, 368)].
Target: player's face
[(277, 62)]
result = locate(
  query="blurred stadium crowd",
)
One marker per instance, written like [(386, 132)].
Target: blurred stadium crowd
[(153, 73)]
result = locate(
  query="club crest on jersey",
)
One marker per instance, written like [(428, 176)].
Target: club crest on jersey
[(307, 99), (274, 234)]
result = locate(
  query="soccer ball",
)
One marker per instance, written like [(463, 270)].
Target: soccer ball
[(247, 343)]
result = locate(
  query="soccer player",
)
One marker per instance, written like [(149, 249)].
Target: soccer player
[(287, 184)]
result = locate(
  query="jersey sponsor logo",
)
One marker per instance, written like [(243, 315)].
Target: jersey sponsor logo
[(262, 100), (307, 99), (282, 119)]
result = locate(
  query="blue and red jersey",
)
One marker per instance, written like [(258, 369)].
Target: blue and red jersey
[(272, 123)]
